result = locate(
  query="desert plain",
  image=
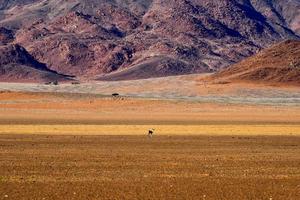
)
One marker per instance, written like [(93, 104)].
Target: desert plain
[(211, 140)]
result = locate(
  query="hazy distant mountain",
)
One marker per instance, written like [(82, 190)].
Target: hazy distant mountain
[(118, 39)]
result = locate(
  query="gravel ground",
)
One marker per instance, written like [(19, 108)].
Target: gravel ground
[(136, 167)]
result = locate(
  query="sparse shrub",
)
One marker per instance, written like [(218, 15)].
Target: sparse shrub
[(115, 94), (222, 82)]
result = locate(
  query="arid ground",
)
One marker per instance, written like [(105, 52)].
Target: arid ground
[(211, 141), (135, 167)]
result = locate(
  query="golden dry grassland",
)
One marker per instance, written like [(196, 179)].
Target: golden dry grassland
[(228, 129)]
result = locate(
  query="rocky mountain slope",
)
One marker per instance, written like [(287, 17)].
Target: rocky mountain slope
[(113, 40), (279, 64), (17, 65)]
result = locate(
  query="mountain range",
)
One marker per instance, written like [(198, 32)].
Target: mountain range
[(44, 40)]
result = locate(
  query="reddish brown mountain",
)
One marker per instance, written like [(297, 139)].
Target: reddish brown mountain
[(133, 39), (16, 65), (278, 64)]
